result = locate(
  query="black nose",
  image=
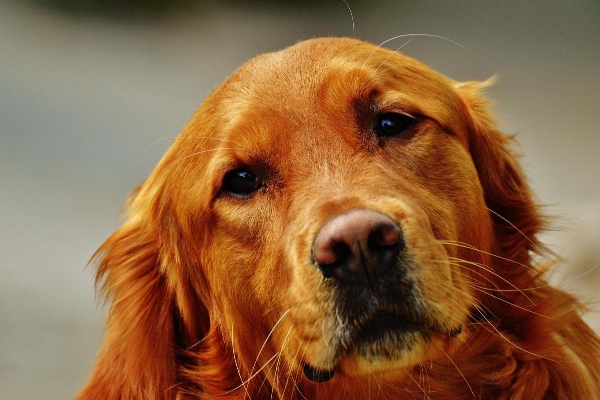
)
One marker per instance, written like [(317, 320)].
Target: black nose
[(359, 245)]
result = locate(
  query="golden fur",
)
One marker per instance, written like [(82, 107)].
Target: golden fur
[(217, 280)]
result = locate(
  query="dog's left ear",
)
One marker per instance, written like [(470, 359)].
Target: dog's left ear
[(512, 207)]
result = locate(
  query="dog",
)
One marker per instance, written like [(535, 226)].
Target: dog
[(338, 221)]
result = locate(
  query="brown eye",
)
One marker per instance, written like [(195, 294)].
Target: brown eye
[(392, 124), (240, 182)]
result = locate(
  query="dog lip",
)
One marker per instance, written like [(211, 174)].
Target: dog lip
[(317, 375), (381, 323)]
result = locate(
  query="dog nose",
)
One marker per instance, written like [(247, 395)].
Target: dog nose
[(359, 245)]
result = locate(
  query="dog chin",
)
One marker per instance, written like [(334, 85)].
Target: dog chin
[(388, 352), (380, 357), (394, 345)]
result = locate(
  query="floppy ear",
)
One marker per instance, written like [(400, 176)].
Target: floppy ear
[(555, 330), (514, 212), (152, 317)]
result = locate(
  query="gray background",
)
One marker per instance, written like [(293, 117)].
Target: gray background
[(88, 104)]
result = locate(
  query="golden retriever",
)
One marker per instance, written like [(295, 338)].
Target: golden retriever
[(338, 221)]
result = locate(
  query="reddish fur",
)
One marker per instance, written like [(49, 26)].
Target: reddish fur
[(194, 289)]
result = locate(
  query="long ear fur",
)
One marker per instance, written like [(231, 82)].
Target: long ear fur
[(153, 316), (557, 353), (514, 212), (137, 358)]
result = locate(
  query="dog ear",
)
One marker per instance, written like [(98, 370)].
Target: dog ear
[(152, 318), (515, 215), (517, 220)]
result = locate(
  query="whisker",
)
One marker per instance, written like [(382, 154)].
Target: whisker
[(460, 372), (495, 330), (351, 14), (419, 386), (425, 376), (401, 386), (535, 245), (478, 283), (278, 363), (244, 383), (196, 344), (488, 291), (495, 287), (512, 304), (294, 378), (287, 380), (388, 57), (237, 367), (531, 289), (470, 277), (252, 374), (202, 152), (413, 35), (299, 391), (186, 137), (378, 382), (584, 273), (491, 271), (470, 247), (262, 384), (267, 338)]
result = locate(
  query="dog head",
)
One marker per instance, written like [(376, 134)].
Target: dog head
[(328, 214)]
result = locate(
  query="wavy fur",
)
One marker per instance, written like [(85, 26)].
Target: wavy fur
[(214, 296)]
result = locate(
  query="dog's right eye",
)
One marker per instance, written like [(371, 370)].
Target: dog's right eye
[(241, 182)]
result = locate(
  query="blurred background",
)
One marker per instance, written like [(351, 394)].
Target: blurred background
[(92, 93)]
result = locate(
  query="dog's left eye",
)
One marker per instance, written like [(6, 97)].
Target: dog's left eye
[(241, 182), (392, 124)]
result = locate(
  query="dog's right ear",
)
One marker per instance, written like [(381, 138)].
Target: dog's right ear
[(153, 316)]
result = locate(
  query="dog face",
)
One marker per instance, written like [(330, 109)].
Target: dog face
[(318, 189), (337, 215)]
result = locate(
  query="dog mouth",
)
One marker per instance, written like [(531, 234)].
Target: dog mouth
[(317, 375), (382, 336), (383, 325)]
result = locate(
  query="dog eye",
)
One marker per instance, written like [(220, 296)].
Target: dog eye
[(392, 124), (240, 182)]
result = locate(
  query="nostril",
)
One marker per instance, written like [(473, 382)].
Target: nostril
[(358, 245), (332, 257), (328, 251), (385, 235)]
